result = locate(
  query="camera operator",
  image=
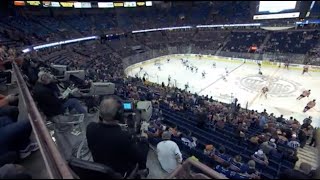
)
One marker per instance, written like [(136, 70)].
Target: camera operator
[(47, 94), (112, 146)]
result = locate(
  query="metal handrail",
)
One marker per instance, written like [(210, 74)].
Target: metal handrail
[(184, 170), (57, 167)]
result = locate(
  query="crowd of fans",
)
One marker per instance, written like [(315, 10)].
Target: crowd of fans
[(260, 139), (16, 143), (273, 136)]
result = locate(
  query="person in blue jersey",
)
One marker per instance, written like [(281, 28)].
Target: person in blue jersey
[(236, 163), (209, 150), (189, 140), (224, 169), (221, 155), (294, 143), (262, 120)]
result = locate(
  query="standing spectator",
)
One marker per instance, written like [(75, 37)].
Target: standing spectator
[(302, 137), (280, 119), (313, 139), (262, 120), (201, 118), (168, 152)]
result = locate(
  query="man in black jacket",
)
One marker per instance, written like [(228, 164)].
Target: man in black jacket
[(112, 146), (46, 93), (202, 117)]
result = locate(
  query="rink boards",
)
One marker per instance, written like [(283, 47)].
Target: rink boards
[(264, 63)]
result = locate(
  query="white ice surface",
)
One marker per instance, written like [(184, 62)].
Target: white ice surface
[(244, 83)]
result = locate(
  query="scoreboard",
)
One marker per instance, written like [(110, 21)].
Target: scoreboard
[(75, 4)]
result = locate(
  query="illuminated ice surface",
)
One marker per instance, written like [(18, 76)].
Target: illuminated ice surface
[(243, 82)]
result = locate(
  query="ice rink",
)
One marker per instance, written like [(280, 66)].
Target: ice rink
[(242, 82)]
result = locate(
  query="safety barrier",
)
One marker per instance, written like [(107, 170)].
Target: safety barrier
[(57, 167), (184, 171)]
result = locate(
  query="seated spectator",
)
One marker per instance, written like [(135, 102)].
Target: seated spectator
[(5, 76), (47, 94), (224, 169), (112, 146), (293, 143), (221, 156), (282, 138), (6, 109), (14, 136), (154, 130), (260, 157), (268, 146), (9, 100), (221, 122), (174, 131), (209, 150), (236, 164), (251, 171), (291, 156), (254, 140), (168, 152), (189, 140), (14, 171)]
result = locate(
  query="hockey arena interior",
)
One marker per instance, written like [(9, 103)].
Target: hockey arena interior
[(160, 89)]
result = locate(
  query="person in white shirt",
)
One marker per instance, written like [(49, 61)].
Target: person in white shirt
[(168, 152)]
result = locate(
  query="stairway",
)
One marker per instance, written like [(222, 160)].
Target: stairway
[(308, 155), (223, 45), (266, 39)]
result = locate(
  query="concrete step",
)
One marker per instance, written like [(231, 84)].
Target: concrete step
[(308, 155)]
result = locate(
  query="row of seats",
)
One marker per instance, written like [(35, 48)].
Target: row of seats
[(233, 149)]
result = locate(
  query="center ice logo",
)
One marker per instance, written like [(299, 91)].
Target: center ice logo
[(277, 86)]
